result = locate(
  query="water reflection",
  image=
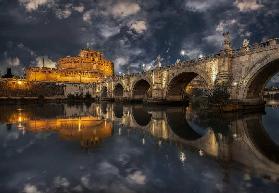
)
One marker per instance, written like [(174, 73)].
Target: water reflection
[(233, 139), (70, 125)]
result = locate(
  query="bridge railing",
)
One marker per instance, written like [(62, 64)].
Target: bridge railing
[(258, 47)]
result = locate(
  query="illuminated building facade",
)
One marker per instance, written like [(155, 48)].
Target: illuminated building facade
[(88, 67)]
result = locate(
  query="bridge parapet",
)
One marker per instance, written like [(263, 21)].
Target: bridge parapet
[(270, 44)]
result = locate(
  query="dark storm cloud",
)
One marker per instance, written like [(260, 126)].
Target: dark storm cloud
[(129, 32)]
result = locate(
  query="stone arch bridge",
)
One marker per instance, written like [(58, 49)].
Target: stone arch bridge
[(246, 72)]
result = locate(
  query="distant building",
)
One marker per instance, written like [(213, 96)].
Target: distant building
[(88, 67), (8, 74)]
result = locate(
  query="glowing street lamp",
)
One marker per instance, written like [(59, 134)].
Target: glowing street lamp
[(19, 82), (182, 52)]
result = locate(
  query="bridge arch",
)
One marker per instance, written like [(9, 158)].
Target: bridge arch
[(118, 90), (253, 84), (141, 89), (175, 90)]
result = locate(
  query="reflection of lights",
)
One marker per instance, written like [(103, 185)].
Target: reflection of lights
[(220, 135), (21, 128), (182, 156), (119, 131), (79, 125), (143, 141), (201, 153), (247, 177), (159, 142)]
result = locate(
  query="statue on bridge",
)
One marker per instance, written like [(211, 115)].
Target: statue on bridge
[(245, 45), (227, 42)]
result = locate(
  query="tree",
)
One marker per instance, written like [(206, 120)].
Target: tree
[(219, 95)]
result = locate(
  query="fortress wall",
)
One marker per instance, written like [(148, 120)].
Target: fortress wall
[(58, 76), (23, 88), (32, 75)]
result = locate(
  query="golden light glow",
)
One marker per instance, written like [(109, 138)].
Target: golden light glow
[(19, 118), (79, 125), (88, 130), (19, 82)]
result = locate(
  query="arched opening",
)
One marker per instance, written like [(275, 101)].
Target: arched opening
[(196, 87), (141, 115), (104, 92), (141, 90), (180, 126), (118, 91), (179, 87), (256, 85)]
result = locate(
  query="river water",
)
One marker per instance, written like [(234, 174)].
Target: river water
[(134, 148)]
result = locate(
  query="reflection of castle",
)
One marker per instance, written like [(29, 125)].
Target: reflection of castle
[(88, 130), (90, 66)]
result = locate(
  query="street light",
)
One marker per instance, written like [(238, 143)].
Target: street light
[(19, 82), (182, 52)]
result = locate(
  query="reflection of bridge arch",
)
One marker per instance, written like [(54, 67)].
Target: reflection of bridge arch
[(118, 90), (178, 82), (141, 115), (178, 124), (260, 140), (253, 84), (141, 89)]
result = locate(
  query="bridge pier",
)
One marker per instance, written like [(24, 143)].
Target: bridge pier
[(247, 105)]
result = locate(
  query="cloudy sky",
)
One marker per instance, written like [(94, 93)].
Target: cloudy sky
[(129, 32)]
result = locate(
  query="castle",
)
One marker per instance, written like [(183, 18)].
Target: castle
[(89, 66)]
